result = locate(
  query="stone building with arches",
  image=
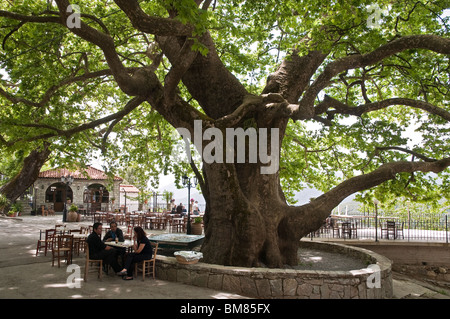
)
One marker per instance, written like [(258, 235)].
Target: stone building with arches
[(90, 190)]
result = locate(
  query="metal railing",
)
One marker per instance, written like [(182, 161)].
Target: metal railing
[(418, 228)]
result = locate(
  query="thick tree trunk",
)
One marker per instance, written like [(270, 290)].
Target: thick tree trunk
[(247, 221), (28, 174)]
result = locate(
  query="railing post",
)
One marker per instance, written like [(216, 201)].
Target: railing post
[(376, 202), (446, 229), (409, 223)]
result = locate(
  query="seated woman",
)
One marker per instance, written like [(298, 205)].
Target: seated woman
[(142, 251)]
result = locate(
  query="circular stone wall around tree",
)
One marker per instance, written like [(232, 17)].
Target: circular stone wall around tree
[(372, 282)]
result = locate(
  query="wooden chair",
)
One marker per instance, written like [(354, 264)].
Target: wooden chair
[(354, 229), (389, 229), (176, 225), (399, 229), (139, 220), (60, 229), (346, 230), (62, 248), (121, 218), (85, 230), (147, 222), (90, 261), (160, 222), (169, 222), (129, 221), (317, 233), (77, 242), (147, 266), (130, 233), (110, 217), (46, 243), (105, 230), (335, 227), (383, 229)]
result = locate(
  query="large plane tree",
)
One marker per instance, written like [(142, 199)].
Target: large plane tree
[(346, 84)]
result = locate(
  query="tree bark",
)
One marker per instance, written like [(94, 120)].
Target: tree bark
[(28, 174), (241, 222)]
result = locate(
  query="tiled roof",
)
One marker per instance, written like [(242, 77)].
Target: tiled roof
[(89, 173), (128, 189)]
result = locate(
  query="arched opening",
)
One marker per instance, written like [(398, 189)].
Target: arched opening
[(56, 195), (94, 196)]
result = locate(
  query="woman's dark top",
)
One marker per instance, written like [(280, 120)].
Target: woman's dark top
[(147, 248)]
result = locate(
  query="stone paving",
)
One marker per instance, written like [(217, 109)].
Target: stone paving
[(25, 276)]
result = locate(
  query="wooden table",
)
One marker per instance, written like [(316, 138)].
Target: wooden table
[(178, 223), (121, 244), (59, 231), (79, 236)]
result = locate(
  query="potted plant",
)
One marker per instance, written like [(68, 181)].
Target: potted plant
[(15, 210), (73, 213), (168, 198), (196, 227), (4, 202)]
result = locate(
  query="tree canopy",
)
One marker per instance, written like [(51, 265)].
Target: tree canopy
[(57, 86), (359, 90)]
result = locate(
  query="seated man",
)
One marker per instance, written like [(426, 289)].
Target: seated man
[(99, 250), (179, 209), (113, 234)]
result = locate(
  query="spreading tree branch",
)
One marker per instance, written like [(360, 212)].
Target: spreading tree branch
[(179, 68), (305, 109), (342, 108), (293, 75), (137, 85), (401, 149), (53, 89), (152, 25), (323, 204), (130, 106)]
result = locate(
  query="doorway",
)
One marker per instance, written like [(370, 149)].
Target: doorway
[(94, 196), (56, 194)]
